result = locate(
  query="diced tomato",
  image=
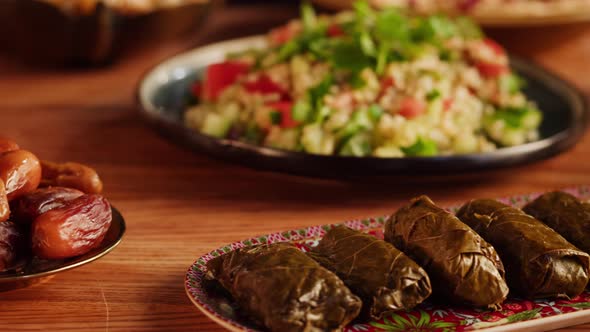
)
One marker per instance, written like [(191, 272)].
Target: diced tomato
[(411, 108), (281, 35), (197, 89), (219, 76), (491, 70), (335, 30), (467, 5), (386, 83), (494, 46), (265, 85), (447, 103), (285, 108)]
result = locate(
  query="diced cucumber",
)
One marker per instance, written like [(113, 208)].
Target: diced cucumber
[(315, 140), (301, 110), (358, 145), (510, 126), (510, 83), (360, 120), (434, 111), (215, 125), (229, 111), (283, 138), (512, 137), (388, 151), (532, 119), (526, 117), (465, 143), (363, 119)]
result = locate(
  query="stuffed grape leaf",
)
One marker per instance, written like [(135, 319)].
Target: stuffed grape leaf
[(565, 214), (283, 289), (463, 268), (539, 262), (385, 278)]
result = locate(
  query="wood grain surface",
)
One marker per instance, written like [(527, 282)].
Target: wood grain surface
[(179, 205)]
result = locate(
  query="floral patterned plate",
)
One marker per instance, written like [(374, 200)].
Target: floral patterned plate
[(515, 315)]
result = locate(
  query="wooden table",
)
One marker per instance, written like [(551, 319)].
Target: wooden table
[(179, 205)]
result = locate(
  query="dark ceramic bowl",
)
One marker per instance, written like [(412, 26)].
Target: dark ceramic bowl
[(38, 32), (163, 93)]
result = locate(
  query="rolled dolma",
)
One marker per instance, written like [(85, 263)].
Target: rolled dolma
[(539, 262), (463, 268), (567, 215), (282, 288), (385, 278)]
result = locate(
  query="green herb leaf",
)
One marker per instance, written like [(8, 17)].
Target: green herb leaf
[(422, 148), (275, 117), (432, 95), (363, 11), (288, 49), (308, 17), (317, 93), (375, 111), (467, 28), (253, 134), (382, 57), (391, 25), (519, 117), (367, 45), (347, 55)]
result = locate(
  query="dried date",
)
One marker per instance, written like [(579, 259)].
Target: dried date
[(7, 145), (72, 175), (20, 171), (73, 229), (4, 207), (12, 243), (28, 207)]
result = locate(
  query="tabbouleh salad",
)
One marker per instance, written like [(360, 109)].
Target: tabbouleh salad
[(368, 83)]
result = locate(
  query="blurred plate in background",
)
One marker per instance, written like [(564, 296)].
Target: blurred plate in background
[(39, 32), (509, 14)]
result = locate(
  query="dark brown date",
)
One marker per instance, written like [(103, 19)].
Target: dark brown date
[(7, 145), (21, 172), (12, 242), (28, 207), (73, 229), (72, 175), (4, 207)]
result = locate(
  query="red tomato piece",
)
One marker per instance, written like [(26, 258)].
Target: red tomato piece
[(447, 103), (386, 83), (281, 35), (467, 5), (494, 46), (411, 108), (335, 30), (219, 76), (197, 89), (265, 85), (285, 108), (491, 70)]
